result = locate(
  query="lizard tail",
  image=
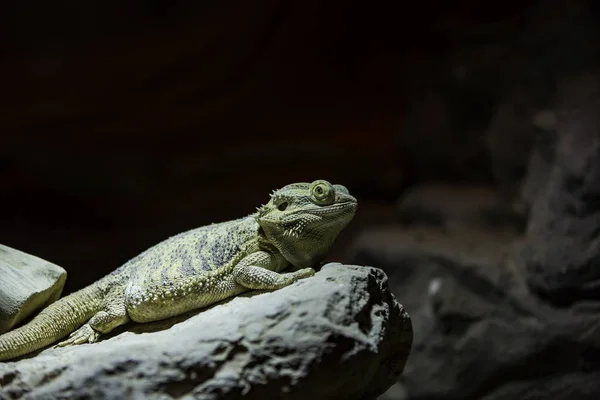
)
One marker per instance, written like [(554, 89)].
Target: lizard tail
[(53, 323)]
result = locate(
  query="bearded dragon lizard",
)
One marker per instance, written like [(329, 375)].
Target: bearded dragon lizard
[(198, 268)]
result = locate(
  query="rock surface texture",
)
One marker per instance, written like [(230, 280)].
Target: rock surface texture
[(27, 284), (339, 334)]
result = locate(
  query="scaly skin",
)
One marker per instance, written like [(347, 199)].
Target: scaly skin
[(197, 268)]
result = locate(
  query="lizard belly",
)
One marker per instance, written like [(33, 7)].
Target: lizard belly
[(145, 304)]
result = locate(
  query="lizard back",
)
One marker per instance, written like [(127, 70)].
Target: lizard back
[(197, 251), (160, 280)]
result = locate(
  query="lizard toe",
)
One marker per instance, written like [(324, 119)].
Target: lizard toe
[(85, 334)]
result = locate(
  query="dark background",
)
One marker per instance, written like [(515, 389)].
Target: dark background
[(124, 123)]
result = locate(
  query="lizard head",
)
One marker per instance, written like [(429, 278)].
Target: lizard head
[(303, 220)]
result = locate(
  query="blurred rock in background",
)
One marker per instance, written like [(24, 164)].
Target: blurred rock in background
[(468, 131)]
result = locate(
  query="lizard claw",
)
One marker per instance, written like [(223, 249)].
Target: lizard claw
[(85, 334)]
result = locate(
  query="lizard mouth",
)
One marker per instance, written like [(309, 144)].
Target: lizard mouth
[(329, 209), (294, 222)]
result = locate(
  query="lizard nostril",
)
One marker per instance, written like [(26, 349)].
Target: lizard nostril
[(282, 206)]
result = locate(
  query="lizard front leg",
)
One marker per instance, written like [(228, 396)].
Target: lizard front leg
[(101, 323), (256, 272)]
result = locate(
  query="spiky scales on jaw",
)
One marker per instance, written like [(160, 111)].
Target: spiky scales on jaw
[(303, 220), (198, 268)]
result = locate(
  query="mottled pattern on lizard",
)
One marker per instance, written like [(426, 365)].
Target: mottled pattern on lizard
[(198, 268)]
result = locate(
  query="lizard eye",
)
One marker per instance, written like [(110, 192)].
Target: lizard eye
[(282, 206), (322, 191)]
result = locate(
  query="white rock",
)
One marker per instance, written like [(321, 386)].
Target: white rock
[(339, 334), (27, 283)]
